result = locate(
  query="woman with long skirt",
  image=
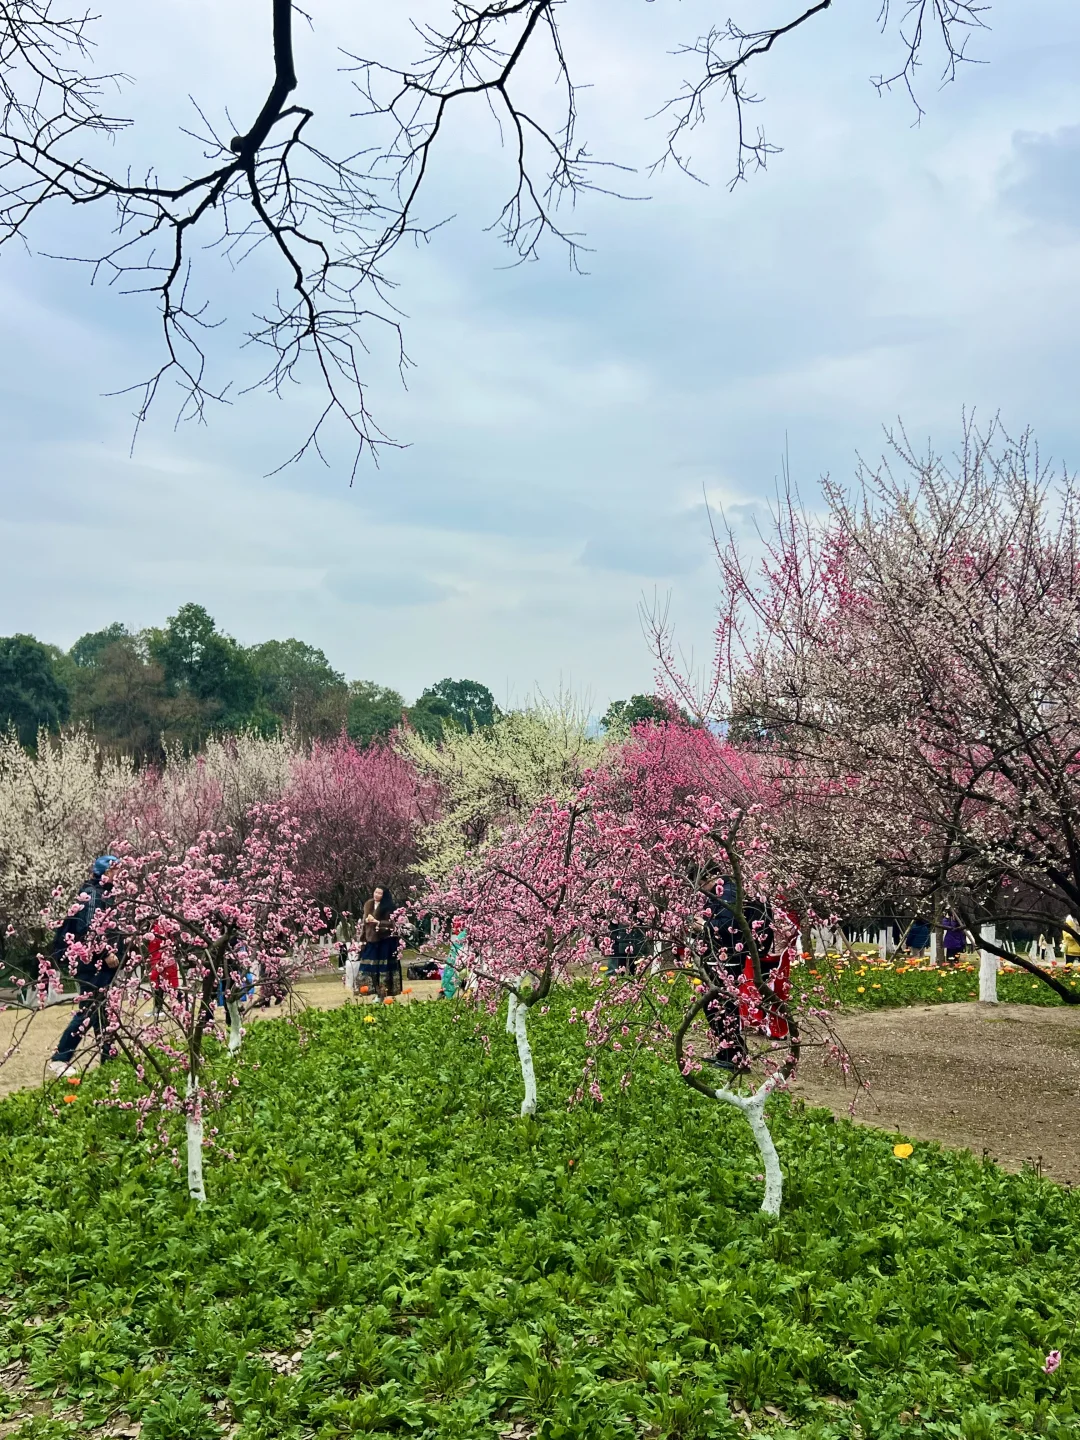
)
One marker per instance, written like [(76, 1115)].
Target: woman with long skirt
[(380, 968)]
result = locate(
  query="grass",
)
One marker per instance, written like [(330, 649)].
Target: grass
[(388, 1251), (863, 980)]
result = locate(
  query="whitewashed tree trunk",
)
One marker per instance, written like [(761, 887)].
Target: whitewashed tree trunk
[(511, 1013), (988, 968), (236, 1030), (935, 946), (753, 1107), (196, 1188), (883, 943), (525, 1059)]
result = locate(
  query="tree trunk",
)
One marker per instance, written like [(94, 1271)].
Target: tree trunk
[(196, 1188), (753, 1107), (988, 968), (236, 1032), (528, 1074)]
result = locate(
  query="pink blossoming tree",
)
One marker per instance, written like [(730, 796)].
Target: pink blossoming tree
[(525, 908), (360, 811), (914, 652), (218, 916), (640, 850)]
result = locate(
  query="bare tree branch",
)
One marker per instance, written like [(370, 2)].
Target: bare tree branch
[(329, 223)]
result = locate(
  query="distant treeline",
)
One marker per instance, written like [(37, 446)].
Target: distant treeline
[(174, 685)]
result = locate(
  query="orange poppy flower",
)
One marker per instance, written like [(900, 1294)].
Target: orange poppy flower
[(74, 1079), (70, 1099)]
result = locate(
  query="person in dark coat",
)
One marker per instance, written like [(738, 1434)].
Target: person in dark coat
[(954, 939), (627, 946), (96, 970), (380, 968), (918, 937), (724, 964)]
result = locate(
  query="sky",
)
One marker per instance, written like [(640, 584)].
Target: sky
[(563, 436)]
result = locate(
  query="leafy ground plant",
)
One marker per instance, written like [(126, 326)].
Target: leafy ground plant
[(865, 981), (386, 1255)]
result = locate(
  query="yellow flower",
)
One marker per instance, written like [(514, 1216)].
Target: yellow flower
[(903, 1151), (861, 989), (369, 1019), (875, 986)]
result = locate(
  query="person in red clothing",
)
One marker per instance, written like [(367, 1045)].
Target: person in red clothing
[(162, 971)]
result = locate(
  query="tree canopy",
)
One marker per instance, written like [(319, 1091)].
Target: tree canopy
[(142, 692), (374, 711), (31, 694), (464, 704)]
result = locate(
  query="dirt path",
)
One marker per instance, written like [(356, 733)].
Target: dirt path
[(998, 1078), (1004, 1079), (26, 1067)]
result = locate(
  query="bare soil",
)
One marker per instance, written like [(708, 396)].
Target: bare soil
[(997, 1079), (1002, 1080), (27, 1066)]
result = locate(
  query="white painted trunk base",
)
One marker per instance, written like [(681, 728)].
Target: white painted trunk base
[(753, 1107), (236, 1030), (988, 968), (525, 1059), (196, 1188)]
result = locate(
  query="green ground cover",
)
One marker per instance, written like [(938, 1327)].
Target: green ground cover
[(391, 1252), (863, 981)]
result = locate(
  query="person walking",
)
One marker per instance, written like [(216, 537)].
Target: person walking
[(954, 939), (380, 967), (725, 964), (345, 935), (452, 978), (1070, 940), (918, 938), (164, 971), (96, 969)]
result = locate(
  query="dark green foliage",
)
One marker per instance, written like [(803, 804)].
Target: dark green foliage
[(464, 703), (641, 709), (176, 684), (865, 982), (211, 667), (32, 696), (88, 648), (298, 686), (121, 694), (374, 711), (440, 1268)]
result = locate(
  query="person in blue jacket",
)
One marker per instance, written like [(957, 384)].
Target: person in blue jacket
[(96, 970)]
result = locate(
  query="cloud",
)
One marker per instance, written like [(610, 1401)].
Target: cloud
[(1042, 182), (559, 429), (654, 547), (361, 586)]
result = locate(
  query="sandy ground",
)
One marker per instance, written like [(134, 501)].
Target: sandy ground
[(27, 1066), (999, 1079)]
